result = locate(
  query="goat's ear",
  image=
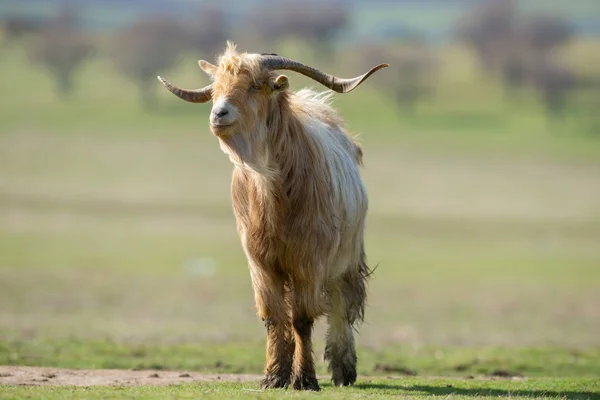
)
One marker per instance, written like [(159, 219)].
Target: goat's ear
[(280, 83), (207, 67)]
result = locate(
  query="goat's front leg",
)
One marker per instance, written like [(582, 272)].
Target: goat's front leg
[(269, 292), (303, 370)]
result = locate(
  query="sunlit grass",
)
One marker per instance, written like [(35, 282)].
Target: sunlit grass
[(372, 388)]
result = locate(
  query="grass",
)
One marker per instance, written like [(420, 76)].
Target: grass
[(229, 356), (373, 388)]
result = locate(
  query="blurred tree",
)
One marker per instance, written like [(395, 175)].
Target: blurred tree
[(415, 73), (206, 31), (554, 82), (520, 50), (313, 21), (147, 49), (488, 29), (516, 65), (514, 72), (530, 61), (61, 48), (68, 13), (413, 65), (16, 27), (543, 33)]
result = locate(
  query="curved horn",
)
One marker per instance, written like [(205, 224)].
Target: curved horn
[(339, 85), (193, 96)]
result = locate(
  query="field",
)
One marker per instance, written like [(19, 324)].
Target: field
[(177, 385), (118, 247)]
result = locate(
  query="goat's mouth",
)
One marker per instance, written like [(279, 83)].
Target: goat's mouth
[(221, 128)]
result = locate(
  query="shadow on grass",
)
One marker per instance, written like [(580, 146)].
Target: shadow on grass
[(478, 392)]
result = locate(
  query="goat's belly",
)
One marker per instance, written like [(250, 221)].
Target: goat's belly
[(323, 248), (306, 250), (319, 238)]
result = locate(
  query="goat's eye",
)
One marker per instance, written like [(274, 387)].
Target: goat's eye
[(255, 87)]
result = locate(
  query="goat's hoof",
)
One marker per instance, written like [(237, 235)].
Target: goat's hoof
[(344, 376), (275, 382), (303, 382)]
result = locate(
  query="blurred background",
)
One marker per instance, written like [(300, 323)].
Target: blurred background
[(482, 161)]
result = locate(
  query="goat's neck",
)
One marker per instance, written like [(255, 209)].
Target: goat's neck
[(286, 143), (278, 150)]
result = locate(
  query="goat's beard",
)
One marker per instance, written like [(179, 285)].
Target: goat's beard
[(246, 149), (237, 147)]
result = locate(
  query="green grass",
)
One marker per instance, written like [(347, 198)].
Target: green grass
[(579, 388), (248, 357)]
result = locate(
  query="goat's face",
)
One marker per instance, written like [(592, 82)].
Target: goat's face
[(242, 93)]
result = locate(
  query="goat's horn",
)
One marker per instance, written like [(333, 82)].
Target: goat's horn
[(339, 85), (193, 96)]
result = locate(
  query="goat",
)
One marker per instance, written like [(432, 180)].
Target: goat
[(300, 207)]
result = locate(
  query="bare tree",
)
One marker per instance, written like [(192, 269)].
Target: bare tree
[(514, 74), (62, 48), (554, 81), (543, 33), (488, 29), (520, 50), (15, 27), (531, 60), (206, 31), (316, 22), (416, 68), (146, 49), (413, 65)]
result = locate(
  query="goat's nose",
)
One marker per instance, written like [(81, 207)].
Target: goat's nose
[(220, 112)]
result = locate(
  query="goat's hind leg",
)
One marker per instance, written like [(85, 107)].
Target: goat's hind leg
[(347, 308)]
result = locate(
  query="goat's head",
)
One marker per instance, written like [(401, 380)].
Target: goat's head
[(244, 85)]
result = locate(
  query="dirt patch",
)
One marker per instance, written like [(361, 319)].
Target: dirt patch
[(40, 376), (43, 376)]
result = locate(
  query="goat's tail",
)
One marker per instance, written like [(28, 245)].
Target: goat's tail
[(354, 288)]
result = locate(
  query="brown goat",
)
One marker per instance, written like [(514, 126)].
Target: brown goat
[(300, 207)]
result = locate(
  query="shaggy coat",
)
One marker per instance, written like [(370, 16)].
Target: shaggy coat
[(300, 207)]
